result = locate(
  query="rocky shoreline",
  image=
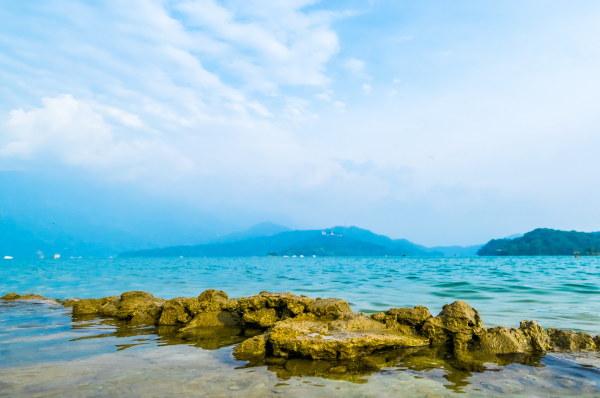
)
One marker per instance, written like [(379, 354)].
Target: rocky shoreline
[(297, 329)]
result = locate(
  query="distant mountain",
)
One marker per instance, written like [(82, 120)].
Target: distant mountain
[(460, 251), (262, 229), (337, 241), (544, 242)]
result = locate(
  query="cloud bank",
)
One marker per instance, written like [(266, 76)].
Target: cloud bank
[(445, 130)]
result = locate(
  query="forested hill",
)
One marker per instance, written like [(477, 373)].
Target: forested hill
[(337, 241), (545, 242)]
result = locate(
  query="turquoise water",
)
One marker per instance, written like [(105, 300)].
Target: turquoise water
[(560, 292), (47, 352)]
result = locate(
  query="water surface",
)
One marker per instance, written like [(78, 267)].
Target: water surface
[(46, 352)]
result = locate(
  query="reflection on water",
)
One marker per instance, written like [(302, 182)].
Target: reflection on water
[(208, 338), (45, 350)]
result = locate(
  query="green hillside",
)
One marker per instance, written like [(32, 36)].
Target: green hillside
[(544, 242)]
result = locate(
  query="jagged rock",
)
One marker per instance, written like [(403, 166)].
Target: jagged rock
[(570, 340), (264, 317), (214, 300), (329, 308), (177, 311), (111, 307), (30, 296), (357, 324), (265, 309), (139, 307), (89, 306), (499, 340), (410, 316), (211, 308), (252, 348), (70, 301), (457, 323), (212, 319), (538, 338), (317, 341), (597, 341)]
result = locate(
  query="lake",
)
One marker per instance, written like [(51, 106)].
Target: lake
[(45, 351)]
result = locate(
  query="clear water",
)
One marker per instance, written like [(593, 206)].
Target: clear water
[(44, 351)]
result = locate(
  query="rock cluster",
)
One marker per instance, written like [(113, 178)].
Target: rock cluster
[(327, 329)]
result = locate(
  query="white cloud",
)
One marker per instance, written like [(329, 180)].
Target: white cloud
[(355, 66), (340, 105), (71, 132), (367, 88)]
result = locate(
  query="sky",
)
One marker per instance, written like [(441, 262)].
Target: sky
[(445, 123)]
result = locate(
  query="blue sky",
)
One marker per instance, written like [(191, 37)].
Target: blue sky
[(440, 122)]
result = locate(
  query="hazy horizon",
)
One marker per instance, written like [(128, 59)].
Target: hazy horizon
[(444, 123)]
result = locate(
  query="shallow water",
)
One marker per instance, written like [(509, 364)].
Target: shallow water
[(46, 352)]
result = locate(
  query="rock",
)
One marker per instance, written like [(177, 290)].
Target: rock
[(315, 340), (212, 319), (456, 324), (111, 306), (212, 308), (89, 306), (329, 308), (499, 340), (597, 341), (538, 338), (177, 311), (32, 297), (71, 301), (264, 309), (139, 307), (264, 317), (410, 316), (570, 340), (252, 348), (357, 324), (214, 300)]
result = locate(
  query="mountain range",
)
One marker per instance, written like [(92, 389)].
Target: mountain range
[(336, 241)]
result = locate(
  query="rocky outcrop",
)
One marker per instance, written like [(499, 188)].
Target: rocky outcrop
[(10, 296), (327, 329), (456, 324), (213, 308), (15, 296), (571, 341), (138, 307), (70, 302), (499, 340), (265, 309), (26, 297)]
